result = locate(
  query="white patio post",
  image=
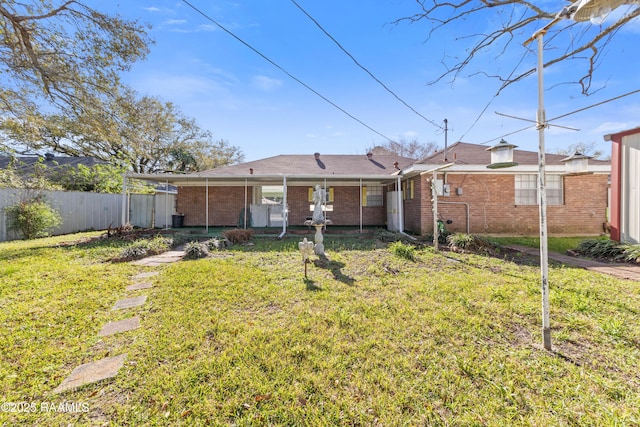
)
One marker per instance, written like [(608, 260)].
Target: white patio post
[(166, 204), (360, 192), (244, 221), (285, 211), (124, 199), (400, 207), (206, 211)]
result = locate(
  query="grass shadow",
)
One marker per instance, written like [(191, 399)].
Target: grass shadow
[(311, 285), (336, 269)]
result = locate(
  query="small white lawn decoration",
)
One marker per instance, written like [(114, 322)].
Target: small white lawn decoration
[(306, 249)]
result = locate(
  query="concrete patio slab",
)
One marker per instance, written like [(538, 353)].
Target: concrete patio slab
[(139, 286), (129, 302), (91, 373), (119, 326)]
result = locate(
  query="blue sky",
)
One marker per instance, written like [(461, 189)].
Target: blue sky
[(242, 98)]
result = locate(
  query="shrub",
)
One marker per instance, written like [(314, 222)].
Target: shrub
[(33, 218), (238, 235), (216, 244), (461, 240), (601, 249), (195, 250), (632, 253), (136, 251), (146, 247), (401, 250)]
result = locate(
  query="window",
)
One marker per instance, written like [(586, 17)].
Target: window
[(526, 187), (328, 195), (268, 194), (407, 189), (372, 196)]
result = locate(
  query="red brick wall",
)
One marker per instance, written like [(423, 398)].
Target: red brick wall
[(492, 209), (412, 208), (226, 204), (346, 207)]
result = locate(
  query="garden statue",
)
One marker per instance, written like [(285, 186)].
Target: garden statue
[(319, 196), (318, 220)]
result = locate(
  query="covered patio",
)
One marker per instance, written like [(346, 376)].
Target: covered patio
[(279, 201)]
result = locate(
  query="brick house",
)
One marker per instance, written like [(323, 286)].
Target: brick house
[(480, 199), (396, 192)]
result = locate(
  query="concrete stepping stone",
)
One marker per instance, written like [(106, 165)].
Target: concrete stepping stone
[(139, 286), (119, 326), (145, 275), (129, 302), (161, 259), (91, 373)]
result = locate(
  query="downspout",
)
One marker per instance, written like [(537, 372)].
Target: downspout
[(324, 204), (285, 211)]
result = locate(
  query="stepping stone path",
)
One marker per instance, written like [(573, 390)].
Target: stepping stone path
[(139, 286), (129, 302), (108, 367), (119, 326), (162, 259), (92, 372)]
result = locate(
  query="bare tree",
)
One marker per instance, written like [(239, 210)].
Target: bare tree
[(62, 54), (412, 149), (515, 21), (586, 148)]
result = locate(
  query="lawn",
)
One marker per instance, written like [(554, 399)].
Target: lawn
[(368, 338)]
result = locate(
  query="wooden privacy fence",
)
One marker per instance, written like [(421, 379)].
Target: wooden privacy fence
[(81, 211)]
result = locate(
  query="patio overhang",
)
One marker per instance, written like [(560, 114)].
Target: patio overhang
[(198, 180)]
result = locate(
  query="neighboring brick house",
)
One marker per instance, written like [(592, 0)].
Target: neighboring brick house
[(395, 192), (481, 200), (625, 185)]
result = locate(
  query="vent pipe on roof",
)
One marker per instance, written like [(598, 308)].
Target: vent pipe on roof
[(395, 164), (250, 171), (317, 156), (369, 155)]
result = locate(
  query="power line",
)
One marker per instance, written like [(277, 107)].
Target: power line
[(615, 98), (362, 66), (263, 56)]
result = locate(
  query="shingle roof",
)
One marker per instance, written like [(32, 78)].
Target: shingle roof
[(474, 154), (308, 164)]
